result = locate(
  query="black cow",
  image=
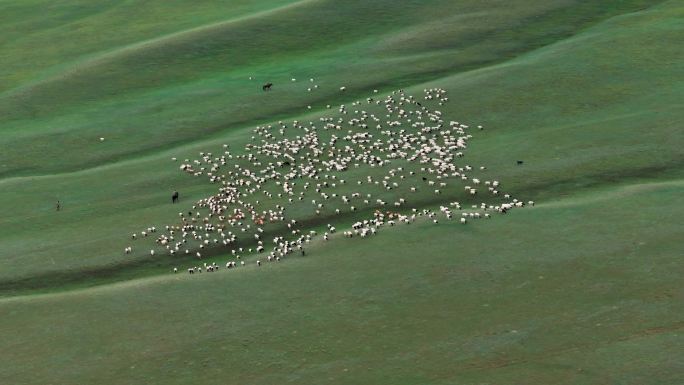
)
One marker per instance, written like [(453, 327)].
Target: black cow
[(520, 162), (267, 86), (174, 197)]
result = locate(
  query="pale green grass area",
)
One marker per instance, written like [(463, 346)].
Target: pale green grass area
[(583, 288), (570, 136)]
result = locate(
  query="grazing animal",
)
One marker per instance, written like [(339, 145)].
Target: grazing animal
[(405, 133)]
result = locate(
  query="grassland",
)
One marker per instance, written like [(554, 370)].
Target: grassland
[(582, 289)]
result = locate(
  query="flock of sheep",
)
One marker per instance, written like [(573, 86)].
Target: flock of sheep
[(373, 157)]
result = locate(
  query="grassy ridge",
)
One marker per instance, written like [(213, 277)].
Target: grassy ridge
[(75, 30), (194, 82)]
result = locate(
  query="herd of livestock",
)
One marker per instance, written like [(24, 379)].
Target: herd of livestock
[(372, 164)]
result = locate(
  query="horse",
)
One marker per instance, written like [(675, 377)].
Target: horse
[(174, 197), (267, 86)]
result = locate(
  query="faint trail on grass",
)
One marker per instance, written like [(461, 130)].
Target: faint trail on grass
[(497, 363), (103, 57), (595, 196)]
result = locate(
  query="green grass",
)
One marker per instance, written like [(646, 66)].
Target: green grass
[(587, 93), (544, 295)]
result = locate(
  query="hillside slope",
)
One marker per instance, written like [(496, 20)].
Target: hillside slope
[(612, 116), (583, 288)]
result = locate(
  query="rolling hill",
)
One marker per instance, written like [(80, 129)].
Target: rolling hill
[(583, 288)]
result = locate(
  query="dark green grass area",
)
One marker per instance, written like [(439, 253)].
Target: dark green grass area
[(193, 83), (544, 295), (584, 288)]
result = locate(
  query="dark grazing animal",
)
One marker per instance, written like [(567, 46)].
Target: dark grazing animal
[(267, 86), (520, 162), (174, 197)]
